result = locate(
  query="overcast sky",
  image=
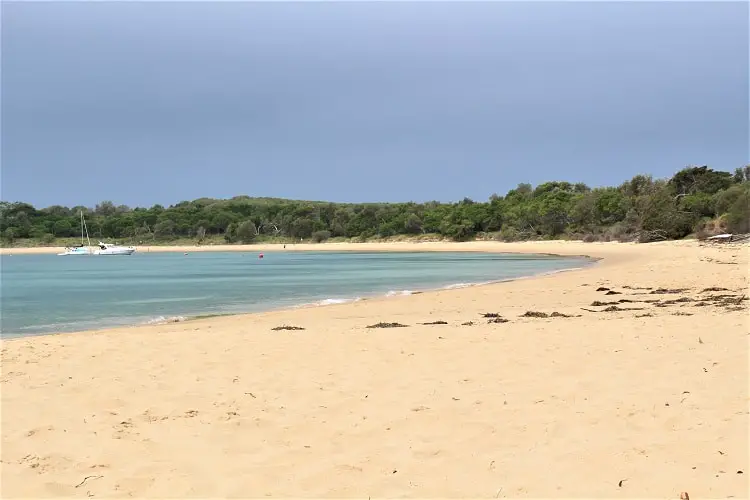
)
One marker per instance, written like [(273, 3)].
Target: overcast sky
[(144, 103)]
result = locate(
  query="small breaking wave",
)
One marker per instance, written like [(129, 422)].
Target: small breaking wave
[(399, 293), (162, 320), (456, 286), (330, 302)]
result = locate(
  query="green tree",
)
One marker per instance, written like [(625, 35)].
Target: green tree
[(245, 232)]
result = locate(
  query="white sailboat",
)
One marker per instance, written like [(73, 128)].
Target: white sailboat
[(80, 249), (102, 249)]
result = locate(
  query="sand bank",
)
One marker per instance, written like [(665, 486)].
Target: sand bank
[(647, 400), (558, 247)]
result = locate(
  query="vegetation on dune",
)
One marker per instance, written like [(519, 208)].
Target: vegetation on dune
[(695, 200)]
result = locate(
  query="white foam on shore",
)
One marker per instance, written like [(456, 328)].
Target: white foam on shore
[(162, 320), (328, 302), (456, 286), (399, 293)]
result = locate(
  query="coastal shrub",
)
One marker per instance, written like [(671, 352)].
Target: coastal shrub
[(618, 232), (738, 214), (509, 233), (245, 232), (321, 236), (590, 238), (9, 235)]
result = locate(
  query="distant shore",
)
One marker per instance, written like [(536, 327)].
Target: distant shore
[(626, 377), (555, 247)]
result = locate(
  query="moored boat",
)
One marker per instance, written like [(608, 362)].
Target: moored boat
[(102, 249), (111, 249)]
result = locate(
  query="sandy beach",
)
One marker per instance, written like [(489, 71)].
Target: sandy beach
[(644, 395)]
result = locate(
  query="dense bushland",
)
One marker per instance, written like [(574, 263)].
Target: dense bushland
[(696, 200)]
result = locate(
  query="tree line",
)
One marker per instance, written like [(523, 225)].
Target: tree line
[(696, 200)]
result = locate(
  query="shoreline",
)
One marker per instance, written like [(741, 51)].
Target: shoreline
[(395, 246), (559, 385), (367, 296)]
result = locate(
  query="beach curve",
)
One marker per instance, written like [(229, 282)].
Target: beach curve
[(564, 406)]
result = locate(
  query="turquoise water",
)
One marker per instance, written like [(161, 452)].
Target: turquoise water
[(48, 293)]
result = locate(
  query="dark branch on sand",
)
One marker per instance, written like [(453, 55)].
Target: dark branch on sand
[(86, 479)]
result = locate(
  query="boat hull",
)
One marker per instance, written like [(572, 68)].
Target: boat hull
[(115, 251), (78, 251)]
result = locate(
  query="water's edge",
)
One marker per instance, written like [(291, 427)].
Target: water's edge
[(588, 261)]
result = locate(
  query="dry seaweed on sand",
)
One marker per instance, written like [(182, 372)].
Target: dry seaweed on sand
[(286, 327), (438, 322), (674, 301), (714, 289), (619, 309), (602, 289), (556, 314), (497, 320), (387, 325), (637, 287), (661, 291), (490, 315), (680, 313), (467, 323), (612, 292), (598, 303), (724, 300), (534, 314), (645, 315)]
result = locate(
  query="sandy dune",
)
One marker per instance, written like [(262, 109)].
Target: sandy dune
[(646, 401)]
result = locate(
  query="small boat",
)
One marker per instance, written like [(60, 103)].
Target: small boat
[(76, 250), (103, 248), (80, 249), (111, 249)]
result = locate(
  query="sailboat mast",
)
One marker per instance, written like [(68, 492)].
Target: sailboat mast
[(87, 229), (84, 229)]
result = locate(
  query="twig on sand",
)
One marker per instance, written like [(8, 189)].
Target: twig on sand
[(438, 322), (86, 479), (387, 325)]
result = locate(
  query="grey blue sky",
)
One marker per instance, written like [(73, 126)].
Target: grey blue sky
[(143, 103)]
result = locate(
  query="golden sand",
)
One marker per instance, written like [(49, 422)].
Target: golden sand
[(648, 400)]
